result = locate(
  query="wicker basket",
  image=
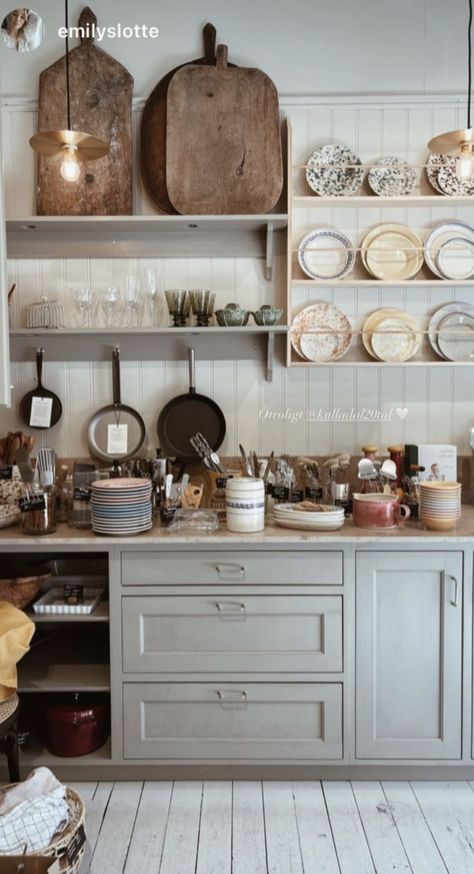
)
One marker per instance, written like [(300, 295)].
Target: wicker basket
[(20, 591), (58, 846)]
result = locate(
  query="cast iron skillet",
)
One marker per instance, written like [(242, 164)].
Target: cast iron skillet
[(183, 416), (115, 414), (42, 392)]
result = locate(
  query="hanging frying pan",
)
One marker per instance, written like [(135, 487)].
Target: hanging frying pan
[(183, 416), (47, 407), (116, 432)]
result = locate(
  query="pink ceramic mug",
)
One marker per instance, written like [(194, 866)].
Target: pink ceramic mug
[(378, 511)]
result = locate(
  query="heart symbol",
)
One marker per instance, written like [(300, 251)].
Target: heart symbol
[(402, 412)]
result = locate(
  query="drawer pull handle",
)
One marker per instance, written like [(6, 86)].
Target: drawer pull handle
[(231, 607), (232, 696), (230, 570)]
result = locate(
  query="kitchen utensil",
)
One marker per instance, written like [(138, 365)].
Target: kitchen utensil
[(378, 511), (334, 171), (391, 177), (185, 415), (441, 235), (192, 496), (388, 470), (232, 316), (392, 252), (326, 254), (117, 431), (366, 469), (23, 462), (223, 141), (326, 330), (40, 404), (102, 103), (210, 454), (247, 471), (77, 728), (153, 128)]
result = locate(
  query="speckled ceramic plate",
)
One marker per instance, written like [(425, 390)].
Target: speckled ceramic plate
[(391, 177), (398, 344), (441, 174), (392, 252), (334, 171), (326, 254), (333, 333)]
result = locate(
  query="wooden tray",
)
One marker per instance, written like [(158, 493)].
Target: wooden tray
[(101, 104), (223, 141)]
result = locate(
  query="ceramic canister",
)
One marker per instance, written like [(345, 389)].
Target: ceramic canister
[(245, 504)]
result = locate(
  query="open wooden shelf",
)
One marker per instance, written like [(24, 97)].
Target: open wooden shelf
[(100, 614), (40, 675), (372, 201), (35, 754)]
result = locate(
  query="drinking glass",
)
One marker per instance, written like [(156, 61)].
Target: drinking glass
[(177, 300), (151, 290), (131, 300), (83, 298), (110, 300)]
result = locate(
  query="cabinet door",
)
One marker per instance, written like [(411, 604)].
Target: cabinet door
[(4, 353), (408, 655)]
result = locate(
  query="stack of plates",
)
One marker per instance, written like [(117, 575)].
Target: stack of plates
[(440, 504), (291, 516), (334, 171), (392, 252), (121, 506), (441, 173), (451, 332), (391, 177), (391, 334), (449, 250), (332, 333)]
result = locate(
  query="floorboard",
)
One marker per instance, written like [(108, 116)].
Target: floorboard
[(387, 851), (420, 846), (182, 834), (349, 837), (317, 845), (283, 843), (215, 833), (449, 811), (116, 830), (146, 846), (248, 829)]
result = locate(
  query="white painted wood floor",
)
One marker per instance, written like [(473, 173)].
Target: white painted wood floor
[(279, 828)]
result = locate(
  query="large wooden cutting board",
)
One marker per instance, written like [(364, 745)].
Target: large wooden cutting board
[(101, 104), (223, 141), (153, 129)]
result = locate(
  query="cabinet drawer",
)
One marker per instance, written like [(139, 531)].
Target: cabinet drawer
[(234, 721), (238, 633), (231, 568)]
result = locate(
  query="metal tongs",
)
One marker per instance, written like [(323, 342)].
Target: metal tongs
[(206, 453)]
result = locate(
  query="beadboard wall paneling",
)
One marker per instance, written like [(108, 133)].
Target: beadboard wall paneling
[(259, 414)]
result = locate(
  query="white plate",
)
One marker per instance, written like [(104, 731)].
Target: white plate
[(326, 254), (371, 324), (399, 343), (306, 526), (456, 337), (439, 236), (333, 332), (438, 317), (392, 252), (455, 258), (334, 171), (391, 177)]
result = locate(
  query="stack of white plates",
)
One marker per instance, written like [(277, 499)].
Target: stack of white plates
[(392, 252), (290, 516), (440, 504), (449, 250), (451, 331), (121, 506)]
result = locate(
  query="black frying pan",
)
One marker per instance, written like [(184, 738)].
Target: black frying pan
[(40, 392), (115, 414), (183, 416)]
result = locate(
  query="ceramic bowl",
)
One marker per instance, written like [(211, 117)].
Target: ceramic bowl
[(232, 316), (267, 315)]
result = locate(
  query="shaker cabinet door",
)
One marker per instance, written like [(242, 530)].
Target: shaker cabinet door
[(408, 655)]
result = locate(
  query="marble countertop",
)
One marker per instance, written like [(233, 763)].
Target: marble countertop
[(411, 532)]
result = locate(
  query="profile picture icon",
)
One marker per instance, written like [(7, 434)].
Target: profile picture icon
[(22, 30)]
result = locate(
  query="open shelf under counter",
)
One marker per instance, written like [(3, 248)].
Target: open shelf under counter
[(144, 236), (100, 614), (375, 202), (35, 755), (149, 344), (44, 676)]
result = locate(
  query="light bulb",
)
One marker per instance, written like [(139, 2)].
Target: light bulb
[(70, 169), (465, 163)]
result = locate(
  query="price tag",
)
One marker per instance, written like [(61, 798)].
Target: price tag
[(82, 494), (296, 496), (27, 505), (75, 845), (41, 411), (73, 593), (117, 440), (281, 493), (314, 493)]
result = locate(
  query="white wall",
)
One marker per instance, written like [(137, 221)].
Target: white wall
[(306, 46)]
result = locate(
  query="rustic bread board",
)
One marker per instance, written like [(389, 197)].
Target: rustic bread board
[(223, 142), (101, 104), (153, 129)]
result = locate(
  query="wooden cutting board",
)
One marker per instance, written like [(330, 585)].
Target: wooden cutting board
[(101, 104), (153, 129), (223, 141)]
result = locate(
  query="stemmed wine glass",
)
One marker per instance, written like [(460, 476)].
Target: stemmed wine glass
[(151, 289), (83, 298), (131, 299), (110, 300)]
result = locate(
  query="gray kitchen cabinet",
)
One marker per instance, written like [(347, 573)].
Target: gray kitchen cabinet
[(5, 400), (408, 655), (232, 721), (236, 633)]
